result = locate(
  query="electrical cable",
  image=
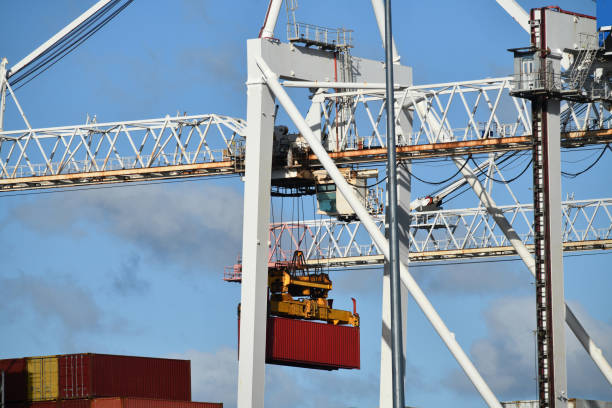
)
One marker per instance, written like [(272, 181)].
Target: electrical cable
[(574, 175), (509, 180), (435, 183), (368, 186)]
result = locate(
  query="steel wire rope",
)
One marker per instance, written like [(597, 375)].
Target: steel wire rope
[(42, 59), (66, 49), (59, 55)]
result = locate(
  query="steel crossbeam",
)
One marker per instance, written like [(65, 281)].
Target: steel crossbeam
[(439, 235), (468, 111), (205, 145), (175, 146)]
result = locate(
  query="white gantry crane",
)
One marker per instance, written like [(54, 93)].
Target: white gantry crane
[(549, 108)]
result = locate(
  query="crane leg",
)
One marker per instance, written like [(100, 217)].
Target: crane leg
[(254, 297)]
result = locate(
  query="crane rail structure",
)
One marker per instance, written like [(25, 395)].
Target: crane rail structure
[(213, 145), (97, 153), (440, 235)]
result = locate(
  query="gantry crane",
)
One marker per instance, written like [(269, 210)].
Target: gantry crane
[(209, 145)]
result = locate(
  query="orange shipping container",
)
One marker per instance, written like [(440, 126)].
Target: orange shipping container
[(150, 403), (116, 402)]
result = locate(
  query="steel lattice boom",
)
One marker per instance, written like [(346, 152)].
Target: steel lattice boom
[(96, 153), (441, 235)]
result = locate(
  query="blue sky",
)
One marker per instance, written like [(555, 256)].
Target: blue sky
[(137, 270)]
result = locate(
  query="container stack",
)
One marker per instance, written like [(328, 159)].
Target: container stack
[(98, 381)]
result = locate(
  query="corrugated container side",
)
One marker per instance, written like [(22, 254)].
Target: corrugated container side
[(150, 403), (42, 378), (74, 375), (15, 378), (104, 375), (319, 345), (308, 344)]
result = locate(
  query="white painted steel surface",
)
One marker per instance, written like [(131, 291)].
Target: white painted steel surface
[(257, 181), (517, 13), (446, 335)]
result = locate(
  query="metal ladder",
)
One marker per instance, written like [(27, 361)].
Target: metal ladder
[(582, 67)]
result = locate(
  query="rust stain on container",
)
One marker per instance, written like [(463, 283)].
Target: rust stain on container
[(103, 375), (308, 344)]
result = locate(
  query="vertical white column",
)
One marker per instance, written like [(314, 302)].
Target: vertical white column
[(386, 383), (555, 237), (260, 128), (2, 91)]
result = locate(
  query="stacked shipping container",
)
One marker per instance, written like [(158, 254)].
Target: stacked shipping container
[(83, 380)]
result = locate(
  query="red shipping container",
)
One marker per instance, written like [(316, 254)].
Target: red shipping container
[(303, 343), (116, 403), (150, 403), (102, 375), (15, 379)]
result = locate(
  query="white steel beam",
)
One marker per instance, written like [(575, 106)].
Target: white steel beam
[(57, 37), (2, 91), (517, 13), (297, 63), (521, 249), (267, 31), (379, 13), (254, 299), (422, 301)]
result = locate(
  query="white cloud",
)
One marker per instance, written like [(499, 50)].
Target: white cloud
[(506, 358), (477, 278), (213, 375), (214, 378), (127, 281), (50, 301), (189, 223)]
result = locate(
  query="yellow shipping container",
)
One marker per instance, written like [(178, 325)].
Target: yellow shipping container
[(42, 378)]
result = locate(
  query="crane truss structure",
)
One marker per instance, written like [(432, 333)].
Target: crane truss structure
[(450, 119), (440, 235), (454, 118), (95, 153), (213, 145)]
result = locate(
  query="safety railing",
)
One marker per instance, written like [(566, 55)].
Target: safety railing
[(320, 36)]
